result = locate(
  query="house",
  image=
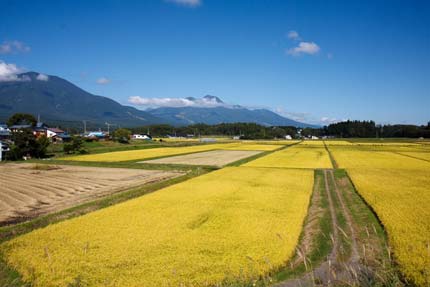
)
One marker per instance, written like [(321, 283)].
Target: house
[(61, 137), (4, 132), (141, 137), (288, 137), (40, 129), (52, 132), (96, 135), (17, 128)]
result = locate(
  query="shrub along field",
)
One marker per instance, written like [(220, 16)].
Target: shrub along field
[(231, 225), (396, 185), (167, 151), (304, 155)]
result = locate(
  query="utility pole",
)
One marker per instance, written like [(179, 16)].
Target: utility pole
[(108, 126), (85, 126)]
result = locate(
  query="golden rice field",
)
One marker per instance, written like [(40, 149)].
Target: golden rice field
[(166, 151), (398, 144), (424, 155), (338, 143), (356, 157), (397, 188), (271, 142), (232, 224), (297, 156), (319, 143)]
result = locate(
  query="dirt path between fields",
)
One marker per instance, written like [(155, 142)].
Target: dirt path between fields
[(336, 269)]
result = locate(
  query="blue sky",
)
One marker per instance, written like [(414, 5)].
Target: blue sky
[(315, 61)]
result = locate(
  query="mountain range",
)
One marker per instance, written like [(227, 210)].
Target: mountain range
[(57, 100)]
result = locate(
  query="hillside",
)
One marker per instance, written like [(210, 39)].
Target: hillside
[(59, 100)]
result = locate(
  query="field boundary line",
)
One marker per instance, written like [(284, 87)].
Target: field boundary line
[(332, 159), (411, 156)]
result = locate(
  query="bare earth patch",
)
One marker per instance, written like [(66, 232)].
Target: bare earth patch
[(28, 190), (214, 158)]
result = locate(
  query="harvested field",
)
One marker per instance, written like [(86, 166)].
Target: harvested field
[(29, 190), (152, 153), (214, 158)]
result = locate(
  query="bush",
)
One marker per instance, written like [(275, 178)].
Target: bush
[(122, 135), (74, 146), (25, 144)]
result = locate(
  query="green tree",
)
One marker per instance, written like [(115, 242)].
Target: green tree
[(75, 146), (122, 135), (41, 147), (22, 119), (25, 144)]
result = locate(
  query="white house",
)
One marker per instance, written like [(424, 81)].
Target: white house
[(141, 137), (288, 137), (52, 132)]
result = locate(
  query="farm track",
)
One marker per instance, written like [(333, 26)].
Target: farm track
[(337, 269)]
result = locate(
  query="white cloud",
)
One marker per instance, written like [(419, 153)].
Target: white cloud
[(304, 48), (103, 81), (42, 77), (175, 102), (13, 47), (293, 35), (9, 73), (328, 120), (187, 3), (297, 116)]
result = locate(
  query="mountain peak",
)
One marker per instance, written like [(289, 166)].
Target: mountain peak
[(213, 99)]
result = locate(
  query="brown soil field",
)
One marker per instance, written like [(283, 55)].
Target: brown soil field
[(214, 158), (28, 190)]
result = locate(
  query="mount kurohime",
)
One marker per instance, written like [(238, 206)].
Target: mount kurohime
[(57, 100)]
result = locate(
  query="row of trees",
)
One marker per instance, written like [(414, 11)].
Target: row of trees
[(244, 130), (368, 129), (347, 129)]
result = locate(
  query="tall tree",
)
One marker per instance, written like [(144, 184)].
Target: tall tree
[(22, 119)]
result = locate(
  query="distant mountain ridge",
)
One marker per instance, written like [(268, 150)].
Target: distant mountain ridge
[(217, 115), (56, 99), (215, 111)]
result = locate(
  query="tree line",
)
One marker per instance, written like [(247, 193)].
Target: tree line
[(368, 129), (242, 130), (347, 129)]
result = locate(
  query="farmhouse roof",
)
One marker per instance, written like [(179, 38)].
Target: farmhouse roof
[(20, 127), (41, 125), (63, 136), (55, 130)]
